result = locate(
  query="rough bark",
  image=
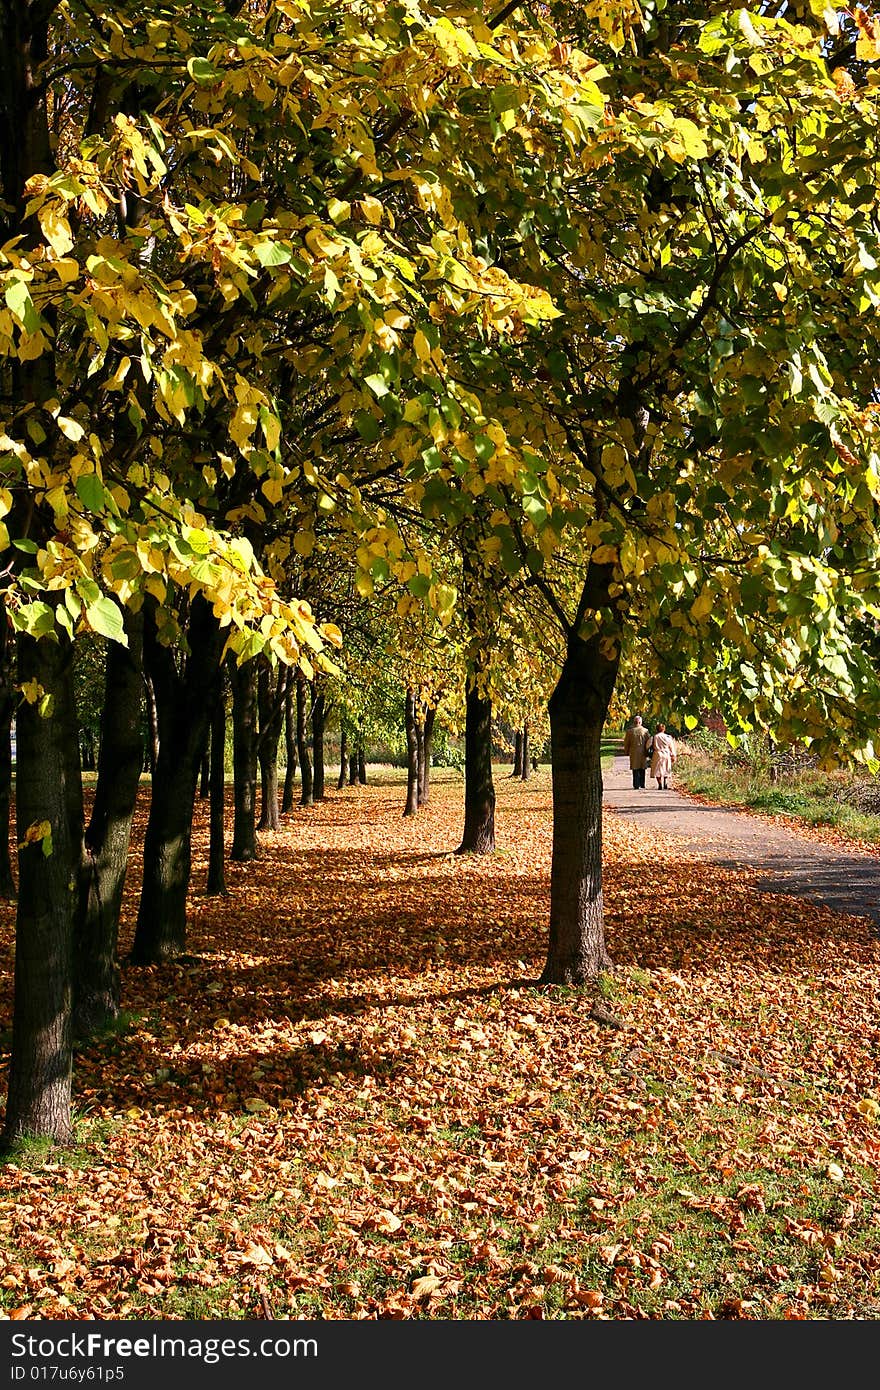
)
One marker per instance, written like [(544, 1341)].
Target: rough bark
[(289, 742), (578, 707), (525, 771), (185, 708), (343, 759), (412, 753), (318, 713), (302, 744), (270, 704), (8, 701), (49, 788), (216, 883), (105, 849), (425, 745), (48, 776), (479, 789), (244, 761)]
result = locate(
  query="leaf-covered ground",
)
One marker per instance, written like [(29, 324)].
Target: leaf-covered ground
[(351, 1101)]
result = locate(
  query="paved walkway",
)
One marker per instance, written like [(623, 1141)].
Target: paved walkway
[(789, 863)]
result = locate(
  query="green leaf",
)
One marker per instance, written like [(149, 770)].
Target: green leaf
[(367, 426), (18, 299), (90, 491), (270, 253), (105, 618), (202, 70)]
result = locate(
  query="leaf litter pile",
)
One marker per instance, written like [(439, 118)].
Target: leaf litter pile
[(351, 1100)]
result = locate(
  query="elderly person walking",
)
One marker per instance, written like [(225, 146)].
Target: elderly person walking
[(635, 743), (665, 753)]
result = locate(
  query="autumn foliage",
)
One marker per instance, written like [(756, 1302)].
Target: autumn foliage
[(350, 1100)]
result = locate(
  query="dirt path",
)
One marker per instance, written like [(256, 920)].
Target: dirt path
[(788, 862)]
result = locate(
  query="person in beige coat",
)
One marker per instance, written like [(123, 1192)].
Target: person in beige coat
[(635, 743), (665, 754)]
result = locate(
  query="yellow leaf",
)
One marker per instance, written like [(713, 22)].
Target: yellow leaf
[(257, 1255), (387, 1222), (56, 230), (702, 606), (372, 209), (66, 270), (71, 429), (604, 555), (426, 1286)]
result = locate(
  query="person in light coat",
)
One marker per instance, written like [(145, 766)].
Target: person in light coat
[(665, 754), (635, 743)]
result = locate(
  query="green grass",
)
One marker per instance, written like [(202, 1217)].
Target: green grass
[(807, 796)]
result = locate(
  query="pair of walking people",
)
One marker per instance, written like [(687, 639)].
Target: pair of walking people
[(641, 746)]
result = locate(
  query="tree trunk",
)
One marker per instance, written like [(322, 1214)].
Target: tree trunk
[(362, 765), (105, 850), (152, 724), (216, 884), (526, 753), (8, 699), (302, 746), (412, 754), (353, 769), (517, 754), (271, 710), (578, 707), (425, 756), (185, 709), (318, 711), (48, 789), (479, 789), (87, 756), (343, 759), (244, 761), (205, 775), (289, 742)]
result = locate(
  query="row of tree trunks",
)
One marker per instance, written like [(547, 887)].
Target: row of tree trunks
[(522, 753), (49, 789), (479, 788), (517, 754), (419, 724), (319, 711), (289, 744), (216, 883), (425, 737), (306, 797), (411, 722), (185, 700), (343, 759), (106, 842), (244, 761), (270, 703)]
